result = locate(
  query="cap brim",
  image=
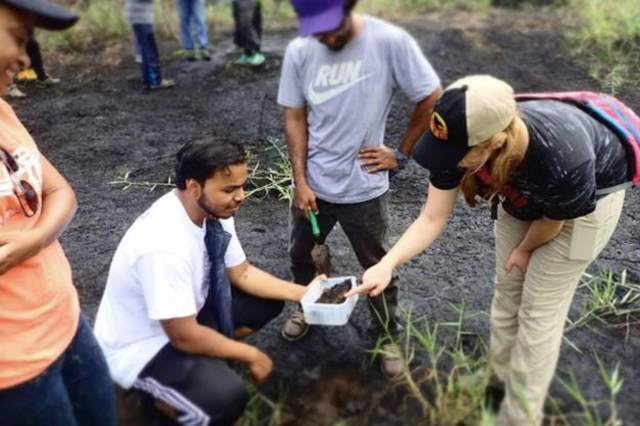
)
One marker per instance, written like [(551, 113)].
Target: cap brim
[(328, 20), (47, 15), (438, 155)]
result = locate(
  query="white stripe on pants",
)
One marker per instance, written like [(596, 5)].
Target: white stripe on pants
[(189, 413), (528, 312)]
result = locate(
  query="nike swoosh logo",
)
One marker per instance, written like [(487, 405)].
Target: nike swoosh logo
[(318, 98)]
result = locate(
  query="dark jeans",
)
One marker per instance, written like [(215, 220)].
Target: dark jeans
[(76, 390), (247, 15), (206, 391), (150, 67), (365, 225)]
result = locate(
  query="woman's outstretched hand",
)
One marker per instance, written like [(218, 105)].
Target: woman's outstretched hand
[(374, 280)]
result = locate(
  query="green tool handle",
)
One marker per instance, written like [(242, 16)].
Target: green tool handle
[(314, 223)]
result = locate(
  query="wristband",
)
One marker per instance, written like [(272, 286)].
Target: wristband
[(402, 159)]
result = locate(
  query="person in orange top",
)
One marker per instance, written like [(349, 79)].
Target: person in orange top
[(52, 371)]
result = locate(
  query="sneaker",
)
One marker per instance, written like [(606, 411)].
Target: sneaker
[(49, 81), (295, 328), (164, 84), (242, 60), (256, 59), (205, 55), (27, 75), (14, 92), (138, 58), (190, 55), (391, 362)]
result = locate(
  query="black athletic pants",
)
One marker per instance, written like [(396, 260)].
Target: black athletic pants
[(205, 391), (365, 225)]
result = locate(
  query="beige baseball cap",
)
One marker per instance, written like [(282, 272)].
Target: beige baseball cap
[(469, 112)]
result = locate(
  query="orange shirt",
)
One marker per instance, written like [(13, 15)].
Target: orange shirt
[(39, 309)]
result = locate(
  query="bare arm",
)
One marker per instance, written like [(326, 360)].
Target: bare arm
[(419, 122), (297, 133), (58, 207), (540, 233), (417, 238), (256, 282), (188, 336), (383, 157), (296, 129)]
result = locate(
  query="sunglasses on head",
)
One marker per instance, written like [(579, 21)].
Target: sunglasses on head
[(27, 196)]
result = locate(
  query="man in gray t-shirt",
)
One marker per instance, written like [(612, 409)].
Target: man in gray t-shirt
[(337, 88)]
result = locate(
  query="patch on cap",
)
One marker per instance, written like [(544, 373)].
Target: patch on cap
[(438, 127)]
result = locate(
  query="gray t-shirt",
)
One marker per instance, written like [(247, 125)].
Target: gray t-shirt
[(348, 96)]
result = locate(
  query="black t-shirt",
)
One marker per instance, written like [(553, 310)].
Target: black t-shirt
[(569, 156)]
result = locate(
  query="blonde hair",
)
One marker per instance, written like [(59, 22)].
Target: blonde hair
[(500, 168)]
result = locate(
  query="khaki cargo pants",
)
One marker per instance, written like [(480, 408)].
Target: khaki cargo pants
[(528, 312)]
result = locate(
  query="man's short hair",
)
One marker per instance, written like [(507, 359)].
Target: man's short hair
[(202, 157)]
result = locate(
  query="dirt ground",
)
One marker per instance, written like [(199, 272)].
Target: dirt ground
[(99, 124)]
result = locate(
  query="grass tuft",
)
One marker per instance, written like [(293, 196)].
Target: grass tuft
[(261, 410), (276, 179), (605, 37), (608, 299)]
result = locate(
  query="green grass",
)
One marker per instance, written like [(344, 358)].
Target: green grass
[(102, 21), (262, 181), (124, 182), (275, 179), (450, 383), (608, 299), (261, 410), (591, 411), (605, 37), (452, 378), (400, 7)]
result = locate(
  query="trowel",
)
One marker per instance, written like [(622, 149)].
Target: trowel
[(320, 252)]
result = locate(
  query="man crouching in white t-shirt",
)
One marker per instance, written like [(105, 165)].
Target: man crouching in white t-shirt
[(163, 328)]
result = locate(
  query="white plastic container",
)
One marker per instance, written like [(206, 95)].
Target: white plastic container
[(326, 313)]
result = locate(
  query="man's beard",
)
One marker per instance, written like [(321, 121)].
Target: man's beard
[(342, 39), (341, 43), (202, 203)]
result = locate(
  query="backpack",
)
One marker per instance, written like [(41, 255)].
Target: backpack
[(609, 111)]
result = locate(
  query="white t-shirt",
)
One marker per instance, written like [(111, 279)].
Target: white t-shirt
[(159, 271)]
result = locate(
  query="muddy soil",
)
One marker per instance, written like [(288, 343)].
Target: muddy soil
[(335, 294), (99, 125)]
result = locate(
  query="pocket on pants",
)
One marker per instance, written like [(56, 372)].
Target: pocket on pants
[(584, 238)]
